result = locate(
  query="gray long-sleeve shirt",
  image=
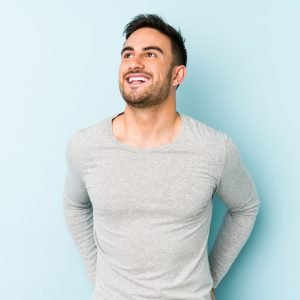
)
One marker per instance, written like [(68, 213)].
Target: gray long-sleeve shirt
[(140, 217)]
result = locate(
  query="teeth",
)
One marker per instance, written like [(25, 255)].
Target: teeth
[(137, 78)]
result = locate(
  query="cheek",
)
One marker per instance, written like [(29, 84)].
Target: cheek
[(160, 72), (121, 73), (120, 70)]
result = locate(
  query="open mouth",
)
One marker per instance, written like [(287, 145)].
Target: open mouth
[(137, 80)]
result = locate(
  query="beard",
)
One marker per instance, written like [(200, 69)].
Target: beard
[(152, 95)]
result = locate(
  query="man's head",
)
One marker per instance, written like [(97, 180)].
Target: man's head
[(156, 22), (153, 61)]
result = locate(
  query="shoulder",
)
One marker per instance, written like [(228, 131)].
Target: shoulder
[(83, 140), (218, 143), (206, 135)]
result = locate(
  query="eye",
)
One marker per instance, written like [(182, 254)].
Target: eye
[(127, 55), (150, 54)]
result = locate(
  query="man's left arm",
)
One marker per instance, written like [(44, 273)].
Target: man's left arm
[(237, 190)]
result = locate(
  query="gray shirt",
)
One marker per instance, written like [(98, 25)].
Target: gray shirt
[(140, 217)]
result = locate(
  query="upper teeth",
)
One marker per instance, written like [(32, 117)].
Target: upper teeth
[(137, 78)]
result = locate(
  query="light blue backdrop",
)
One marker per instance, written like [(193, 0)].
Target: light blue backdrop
[(58, 73)]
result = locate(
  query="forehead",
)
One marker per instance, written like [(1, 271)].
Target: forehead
[(144, 37)]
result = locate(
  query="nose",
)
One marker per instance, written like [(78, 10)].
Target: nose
[(136, 63)]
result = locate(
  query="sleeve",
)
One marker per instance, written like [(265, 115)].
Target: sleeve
[(237, 190), (78, 210)]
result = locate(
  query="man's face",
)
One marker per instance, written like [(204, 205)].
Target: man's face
[(145, 73)]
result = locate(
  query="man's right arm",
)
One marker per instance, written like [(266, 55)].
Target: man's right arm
[(78, 209), (212, 293)]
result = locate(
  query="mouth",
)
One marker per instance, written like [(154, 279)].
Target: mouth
[(135, 80)]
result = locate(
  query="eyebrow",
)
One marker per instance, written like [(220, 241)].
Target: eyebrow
[(128, 48)]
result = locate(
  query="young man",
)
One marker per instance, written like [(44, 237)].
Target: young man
[(139, 188)]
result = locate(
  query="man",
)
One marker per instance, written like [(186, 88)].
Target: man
[(139, 188)]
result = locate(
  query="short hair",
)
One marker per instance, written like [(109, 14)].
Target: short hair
[(156, 22)]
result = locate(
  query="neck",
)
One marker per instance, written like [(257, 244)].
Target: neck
[(149, 127)]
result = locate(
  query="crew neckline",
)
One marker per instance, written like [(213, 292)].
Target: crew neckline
[(146, 149)]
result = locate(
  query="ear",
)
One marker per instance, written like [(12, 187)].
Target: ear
[(179, 74)]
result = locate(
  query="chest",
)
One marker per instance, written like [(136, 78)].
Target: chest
[(163, 185)]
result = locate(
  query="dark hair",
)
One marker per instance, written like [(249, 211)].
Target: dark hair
[(156, 22)]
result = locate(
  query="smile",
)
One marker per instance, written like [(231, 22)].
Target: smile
[(136, 79)]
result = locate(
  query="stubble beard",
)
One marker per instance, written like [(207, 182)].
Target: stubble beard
[(152, 96)]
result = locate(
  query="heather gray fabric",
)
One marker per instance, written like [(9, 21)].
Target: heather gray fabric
[(140, 217)]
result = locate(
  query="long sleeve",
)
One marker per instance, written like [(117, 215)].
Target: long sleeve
[(78, 210), (237, 190)]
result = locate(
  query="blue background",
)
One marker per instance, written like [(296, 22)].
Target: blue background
[(58, 73)]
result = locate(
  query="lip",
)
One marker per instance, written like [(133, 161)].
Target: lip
[(136, 75), (136, 84)]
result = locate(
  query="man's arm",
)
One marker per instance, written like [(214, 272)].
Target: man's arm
[(78, 210), (236, 188)]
